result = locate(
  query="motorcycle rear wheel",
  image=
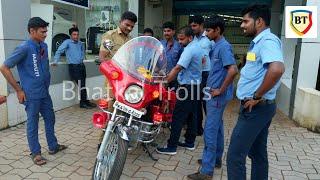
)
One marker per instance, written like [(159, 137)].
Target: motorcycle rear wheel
[(114, 158)]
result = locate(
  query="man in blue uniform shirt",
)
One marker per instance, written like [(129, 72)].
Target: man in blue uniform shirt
[(31, 59), (188, 70), (74, 50), (196, 23), (259, 81), (220, 86), (172, 48)]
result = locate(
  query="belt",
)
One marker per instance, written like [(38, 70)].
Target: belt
[(81, 64), (261, 102)]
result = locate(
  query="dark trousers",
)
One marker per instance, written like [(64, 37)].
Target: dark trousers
[(78, 74), (184, 108), (173, 85), (249, 138), (202, 102)]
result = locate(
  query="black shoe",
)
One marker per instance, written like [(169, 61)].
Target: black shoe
[(90, 104), (200, 132), (199, 176), (85, 106), (190, 147), (217, 165)]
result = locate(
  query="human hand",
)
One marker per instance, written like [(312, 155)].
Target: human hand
[(215, 92), (21, 96), (250, 104)]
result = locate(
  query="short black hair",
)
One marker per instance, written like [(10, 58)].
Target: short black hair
[(258, 11), (148, 30), (36, 22), (186, 30), (73, 29), (169, 25), (196, 19), (214, 22), (129, 16)]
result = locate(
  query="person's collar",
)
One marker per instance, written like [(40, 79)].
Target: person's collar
[(204, 33), (220, 39), (198, 37), (74, 41), (260, 35), (35, 43), (120, 32)]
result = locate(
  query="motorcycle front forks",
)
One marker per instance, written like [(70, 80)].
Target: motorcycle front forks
[(106, 135), (110, 128)]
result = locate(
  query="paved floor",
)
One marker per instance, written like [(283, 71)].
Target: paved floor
[(294, 152)]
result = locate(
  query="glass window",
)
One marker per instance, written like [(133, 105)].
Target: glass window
[(102, 15)]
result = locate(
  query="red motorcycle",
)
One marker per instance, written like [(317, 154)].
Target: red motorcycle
[(142, 104)]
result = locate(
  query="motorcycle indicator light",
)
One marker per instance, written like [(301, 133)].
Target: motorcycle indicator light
[(100, 119), (155, 94), (103, 103), (115, 75)]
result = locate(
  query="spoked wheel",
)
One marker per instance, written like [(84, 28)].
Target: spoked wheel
[(114, 157)]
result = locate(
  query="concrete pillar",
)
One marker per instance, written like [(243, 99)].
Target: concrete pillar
[(13, 30)]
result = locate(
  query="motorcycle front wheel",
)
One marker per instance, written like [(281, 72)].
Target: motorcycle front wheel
[(114, 158)]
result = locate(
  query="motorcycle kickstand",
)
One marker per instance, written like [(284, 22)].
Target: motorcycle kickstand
[(147, 150)]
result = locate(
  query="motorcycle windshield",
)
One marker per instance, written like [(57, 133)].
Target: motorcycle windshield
[(143, 58)]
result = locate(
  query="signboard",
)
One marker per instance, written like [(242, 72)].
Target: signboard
[(78, 3)]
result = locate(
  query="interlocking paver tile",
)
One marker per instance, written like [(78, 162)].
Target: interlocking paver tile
[(20, 172), (10, 176), (76, 176), (145, 175), (84, 172), (151, 170), (292, 178), (171, 174), (130, 169), (294, 173), (42, 176), (57, 173), (185, 172), (164, 167), (4, 168), (314, 176)]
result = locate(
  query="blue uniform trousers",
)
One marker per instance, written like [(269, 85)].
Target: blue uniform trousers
[(213, 136), (249, 138), (43, 106)]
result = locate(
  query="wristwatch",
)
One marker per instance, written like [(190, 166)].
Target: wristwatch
[(256, 97)]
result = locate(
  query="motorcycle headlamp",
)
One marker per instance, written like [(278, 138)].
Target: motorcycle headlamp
[(133, 94)]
